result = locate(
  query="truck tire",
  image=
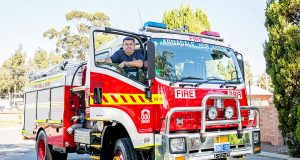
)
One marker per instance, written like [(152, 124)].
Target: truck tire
[(44, 152), (124, 150), (42, 148)]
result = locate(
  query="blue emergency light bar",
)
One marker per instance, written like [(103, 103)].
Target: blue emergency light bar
[(155, 24)]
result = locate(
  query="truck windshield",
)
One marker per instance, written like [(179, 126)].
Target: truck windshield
[(178, 60)]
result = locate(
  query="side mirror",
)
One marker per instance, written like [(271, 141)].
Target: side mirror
[(241, 63), (151, 60), (148, 93)]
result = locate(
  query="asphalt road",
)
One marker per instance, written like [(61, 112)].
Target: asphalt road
[(13, 147)]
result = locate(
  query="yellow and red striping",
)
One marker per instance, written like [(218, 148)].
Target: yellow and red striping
[(129, 99)]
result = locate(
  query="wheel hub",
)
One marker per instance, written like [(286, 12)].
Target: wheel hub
[(41, 149), (118, 156)]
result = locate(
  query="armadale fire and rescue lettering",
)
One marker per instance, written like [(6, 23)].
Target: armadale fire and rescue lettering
[(190, 44), (46, 83), (182, 104)]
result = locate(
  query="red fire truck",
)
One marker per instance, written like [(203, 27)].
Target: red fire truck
[(188, 102)]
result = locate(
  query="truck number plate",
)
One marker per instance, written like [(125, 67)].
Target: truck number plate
[(222, 147), (221, 155)]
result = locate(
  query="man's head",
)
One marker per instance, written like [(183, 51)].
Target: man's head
[(128, 45)]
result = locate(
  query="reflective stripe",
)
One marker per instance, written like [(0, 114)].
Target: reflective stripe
[(55, 121), (145, 146), (48, 121), (44, 81), (98, 119), (40, 121), (128, 99), (91, 98), (26, 132)]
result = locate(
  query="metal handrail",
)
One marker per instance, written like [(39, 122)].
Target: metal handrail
[(205, 123)]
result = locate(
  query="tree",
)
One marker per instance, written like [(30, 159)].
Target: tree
[(248, 73), (55, 58), (264, 81), (41, 58), (12, 73), (73, 42), (5, 83), (194, 21), (282, 54)]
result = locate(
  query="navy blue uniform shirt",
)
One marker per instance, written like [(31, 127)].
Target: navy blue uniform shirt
[(120, 56)]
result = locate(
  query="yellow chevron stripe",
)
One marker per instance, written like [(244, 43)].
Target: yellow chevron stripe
[(156, 99), (91, 99), (129, 100)]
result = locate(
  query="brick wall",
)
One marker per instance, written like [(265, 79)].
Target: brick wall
[(269, 125)]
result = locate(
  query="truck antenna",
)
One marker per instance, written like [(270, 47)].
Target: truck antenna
[(140, 18)]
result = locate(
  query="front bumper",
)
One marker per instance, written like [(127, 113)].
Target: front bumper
[(241, 146), (236, 142)]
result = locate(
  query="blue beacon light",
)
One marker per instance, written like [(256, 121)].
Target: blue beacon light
[(155, 24)]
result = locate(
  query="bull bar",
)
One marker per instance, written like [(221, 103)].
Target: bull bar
[(240, 132)]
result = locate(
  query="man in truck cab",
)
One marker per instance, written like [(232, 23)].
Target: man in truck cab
[(128, 58)]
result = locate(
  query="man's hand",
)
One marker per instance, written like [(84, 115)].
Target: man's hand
[(107, 60), (101, 60), (122, 65)]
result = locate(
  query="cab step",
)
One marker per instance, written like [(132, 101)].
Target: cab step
[(95, 157), (97, 134), (97, 146)]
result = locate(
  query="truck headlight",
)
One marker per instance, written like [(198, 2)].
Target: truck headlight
[(177, 145), (256, 137), (212, 113), (228, 113)]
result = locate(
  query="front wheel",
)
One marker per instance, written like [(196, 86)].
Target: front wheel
[(124, 150)]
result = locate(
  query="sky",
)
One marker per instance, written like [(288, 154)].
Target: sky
[(239, 22)]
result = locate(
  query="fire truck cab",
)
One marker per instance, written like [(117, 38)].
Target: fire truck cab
[(188, 103)]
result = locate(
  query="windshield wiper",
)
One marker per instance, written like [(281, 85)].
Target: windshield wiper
[(229, 82), (208, 80), (185, 78)]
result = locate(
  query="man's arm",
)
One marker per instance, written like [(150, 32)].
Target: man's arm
[(136, 63), (139, 62)]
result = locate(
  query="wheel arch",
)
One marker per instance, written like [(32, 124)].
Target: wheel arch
[(38, 132)]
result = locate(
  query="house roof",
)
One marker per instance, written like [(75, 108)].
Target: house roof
[(258, 91)]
